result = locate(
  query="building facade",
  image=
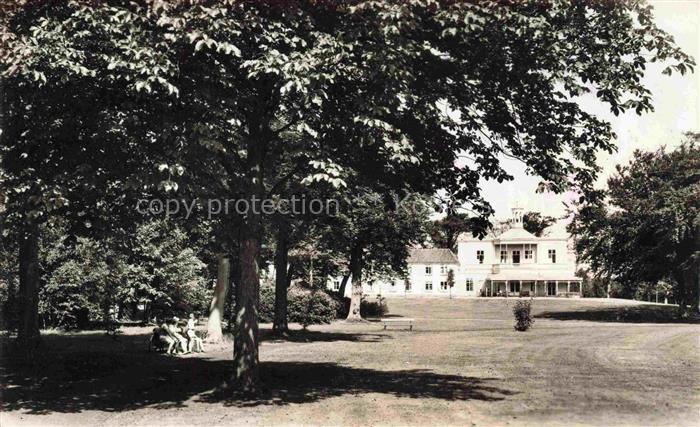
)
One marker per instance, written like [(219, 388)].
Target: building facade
[(512, 263), (517, 262)]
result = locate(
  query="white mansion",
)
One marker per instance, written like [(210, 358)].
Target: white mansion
[(512, 263)]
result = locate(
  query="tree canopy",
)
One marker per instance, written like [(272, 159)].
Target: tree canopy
[(645, 227), (536, 223), (380, 94)]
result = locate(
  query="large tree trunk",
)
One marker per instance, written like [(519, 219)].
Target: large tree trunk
[(356, 293), (246, 375), (216, 311), (28, 328), (692, 287), (290, 273), (681, 292), (281, 275), (343, 285)]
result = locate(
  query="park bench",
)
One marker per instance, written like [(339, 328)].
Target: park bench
[(398, 322)]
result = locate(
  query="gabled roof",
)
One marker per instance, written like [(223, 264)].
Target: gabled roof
[(516, 233), (468, 237), (431, 256)]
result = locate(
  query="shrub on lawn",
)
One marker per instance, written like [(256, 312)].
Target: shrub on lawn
[(374, 308), (311, 307), (305, 306), (266, 304), (523, 318), (368, 308), (342, 306)]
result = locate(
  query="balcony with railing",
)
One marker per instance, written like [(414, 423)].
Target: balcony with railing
[(505, 267)]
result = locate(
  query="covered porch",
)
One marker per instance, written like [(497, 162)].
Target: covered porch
[(533, 287)]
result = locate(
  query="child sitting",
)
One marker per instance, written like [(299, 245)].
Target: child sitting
[(195, 343), (161, 339), (174, 333)]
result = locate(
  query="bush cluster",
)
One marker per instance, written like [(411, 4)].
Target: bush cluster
[(374, 308), (266, 304), (523, 317), (311, 307), (315, 306), (304, 306), (368, 308)]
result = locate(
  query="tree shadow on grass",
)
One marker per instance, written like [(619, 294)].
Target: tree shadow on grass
[(303, 382), (91, 377), (384, 316), (321, 336), (110, 383), (636, 314)]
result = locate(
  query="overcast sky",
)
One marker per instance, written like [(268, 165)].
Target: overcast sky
[(675, 100)]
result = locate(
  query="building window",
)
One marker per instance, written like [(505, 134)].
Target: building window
[(428, 269), (443, 286), (480, 256), (516, 257), (514, 287), (336, 285), (470, 285), (408, 285), (392, 283), (528, 253), (428, 286), (504, 257), (552, 254), (443, 269)]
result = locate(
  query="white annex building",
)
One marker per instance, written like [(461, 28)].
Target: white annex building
[(512, 263)]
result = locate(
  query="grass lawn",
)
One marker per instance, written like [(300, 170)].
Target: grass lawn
[(584, 362)]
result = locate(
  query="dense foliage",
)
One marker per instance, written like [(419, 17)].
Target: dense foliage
[(311, 307), (364, 96), (523, 317), (165, 272), (374, 307), (86, 282), (306, 306), (444, 232), (375, 232), (536, 223), (645, 227)]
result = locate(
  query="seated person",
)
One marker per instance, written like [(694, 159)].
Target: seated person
[(195, 343), (162, 337), (174, 333)]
